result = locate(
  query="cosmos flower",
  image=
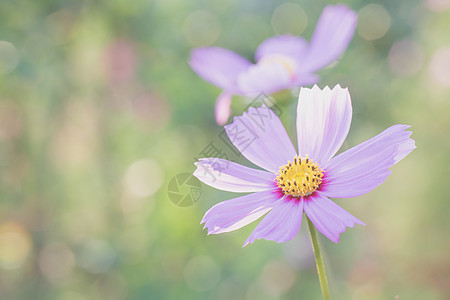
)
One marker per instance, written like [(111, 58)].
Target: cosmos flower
[(282, 62), (296, 182)]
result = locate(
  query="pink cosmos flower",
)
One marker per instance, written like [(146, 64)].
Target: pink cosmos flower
[(282, 62), (294, 182)]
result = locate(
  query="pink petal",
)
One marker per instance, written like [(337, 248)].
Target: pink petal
[(235, 213), (329, 218), (292, 46), (229, 176), (364, 167), (281, 224), (260, 136), (218, 66), (323, 121), (333, 33), (223, 109)]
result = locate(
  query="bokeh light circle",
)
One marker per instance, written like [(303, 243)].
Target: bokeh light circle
[(143, 178), (439, 67), (9, 57), (201, 273), (277, 278), (56, 261), (201, 28), (289, 18), (373, 22), (15, 245), (405, 58), (437, 5)]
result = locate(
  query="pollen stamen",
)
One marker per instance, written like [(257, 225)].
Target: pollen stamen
[(300, 178)]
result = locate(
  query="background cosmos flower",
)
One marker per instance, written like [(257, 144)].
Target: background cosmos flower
[(282, 62), (295, 182)]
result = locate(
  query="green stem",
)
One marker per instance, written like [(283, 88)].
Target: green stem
[(319, 261)]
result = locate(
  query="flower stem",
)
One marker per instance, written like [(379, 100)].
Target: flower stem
[(319, 261)]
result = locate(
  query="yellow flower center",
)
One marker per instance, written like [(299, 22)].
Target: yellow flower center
[(300, 178)]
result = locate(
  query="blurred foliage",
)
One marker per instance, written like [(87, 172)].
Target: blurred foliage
[(99, 110)]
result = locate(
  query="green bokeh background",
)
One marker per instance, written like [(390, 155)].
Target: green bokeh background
[(99, 111)]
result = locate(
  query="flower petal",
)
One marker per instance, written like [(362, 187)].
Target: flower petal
[(278, 67), (265, 78), (235, 213), (281, 224), (328, 217), (292, 46), (364, 167), (260, 136), (333, 33), (223, 109), (229, 176), (323, 121), (305, 79), (218, 66)]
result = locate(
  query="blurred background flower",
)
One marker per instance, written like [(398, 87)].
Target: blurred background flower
[(99, 110), (281, 62)]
